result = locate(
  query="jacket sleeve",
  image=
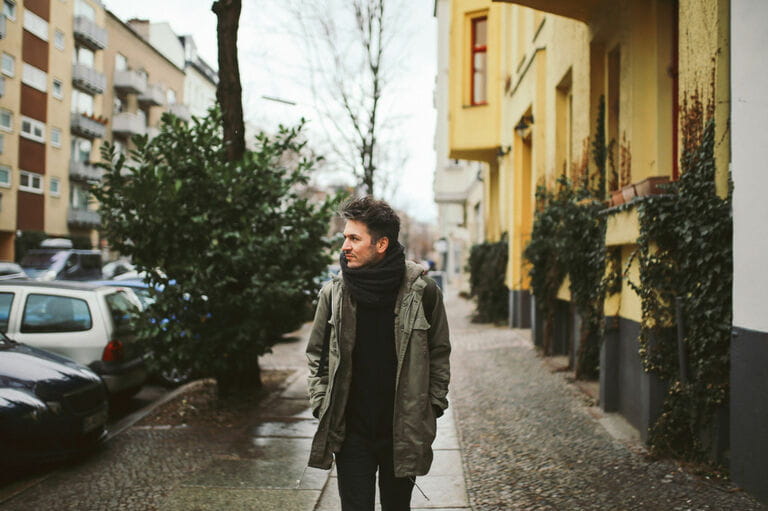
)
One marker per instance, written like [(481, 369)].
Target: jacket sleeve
[(439, 354), (317, 350)]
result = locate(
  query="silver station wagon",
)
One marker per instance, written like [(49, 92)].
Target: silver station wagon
[(93, 325)]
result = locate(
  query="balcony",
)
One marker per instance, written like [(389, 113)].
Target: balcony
[(152, 96), (88, 79), (130, 81), (83, 218), (81, 171), (152, 132), (180, 110), (128, 124), (84, 126), (89, 33)]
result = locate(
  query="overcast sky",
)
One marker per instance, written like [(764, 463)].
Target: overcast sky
[(271, 65)]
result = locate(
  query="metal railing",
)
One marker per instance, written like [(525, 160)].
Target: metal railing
[(89, 33), (88, 79)]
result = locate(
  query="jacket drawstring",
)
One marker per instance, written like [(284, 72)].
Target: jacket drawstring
[(298, 481), (413, 480)]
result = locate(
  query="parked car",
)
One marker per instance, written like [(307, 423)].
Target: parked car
[(169, 377), (50, 407), (9, 270), (91, 324), (116, 268), (57, 260)]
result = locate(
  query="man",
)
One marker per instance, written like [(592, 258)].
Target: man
[(378, 363)]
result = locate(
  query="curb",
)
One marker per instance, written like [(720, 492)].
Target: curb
[(130, 420)]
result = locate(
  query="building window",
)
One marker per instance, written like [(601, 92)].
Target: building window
[(78, 197), (34, 77), (58, 89), (8, 65), (5, 176), (2, 143), (35, 25), (9, 10), (121, 63), (55, 187), (30, 182), (6, 120), (479, 61), (2, 86), (59, 39), (84, 56), (84, 9), (81, 150), (56, 137), (82, 102), (170, 96), (32, 129)]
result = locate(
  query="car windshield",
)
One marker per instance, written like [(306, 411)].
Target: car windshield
[(124, 312), (37, 262)]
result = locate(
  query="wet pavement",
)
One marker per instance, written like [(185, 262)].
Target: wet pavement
[(518, 435)]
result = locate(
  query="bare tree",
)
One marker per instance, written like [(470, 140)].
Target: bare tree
[(351, 52), (229, 92)]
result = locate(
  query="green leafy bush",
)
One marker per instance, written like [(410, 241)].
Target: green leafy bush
[(235, 246), (487, 266)]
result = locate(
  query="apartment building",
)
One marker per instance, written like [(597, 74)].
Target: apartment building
[(526, 83), (72, 76)]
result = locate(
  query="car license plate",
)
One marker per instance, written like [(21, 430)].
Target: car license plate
[(94, 421)]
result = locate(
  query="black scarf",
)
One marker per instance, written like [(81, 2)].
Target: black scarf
[(376, 285)]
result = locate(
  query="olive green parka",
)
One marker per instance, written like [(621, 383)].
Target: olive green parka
[(423, 371)]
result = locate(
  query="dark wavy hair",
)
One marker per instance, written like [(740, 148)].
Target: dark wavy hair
[(378, 216)]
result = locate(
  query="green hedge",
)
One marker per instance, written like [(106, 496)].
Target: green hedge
[(487, 267)]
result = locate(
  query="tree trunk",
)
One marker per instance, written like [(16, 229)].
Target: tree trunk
[(229, 91)]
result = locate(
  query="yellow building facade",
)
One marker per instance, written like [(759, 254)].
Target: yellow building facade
[(548, 65)]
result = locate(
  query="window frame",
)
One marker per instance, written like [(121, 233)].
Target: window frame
[(31, 176), (60, 94), (13, 8), (33, 123), (7, 168), (59, 36), (9, 128), (56, 143), (57, 191), (476, 49), (12, 60)]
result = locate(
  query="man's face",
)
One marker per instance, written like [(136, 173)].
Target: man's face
[(359, 247)]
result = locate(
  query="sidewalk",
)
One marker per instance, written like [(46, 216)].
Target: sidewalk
[(274, 476)]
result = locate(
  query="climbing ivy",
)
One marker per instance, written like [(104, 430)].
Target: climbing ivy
[(685, 253), (568, 238), (487, 266)]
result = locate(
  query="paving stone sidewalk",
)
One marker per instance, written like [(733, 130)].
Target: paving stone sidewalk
[(532, 441)]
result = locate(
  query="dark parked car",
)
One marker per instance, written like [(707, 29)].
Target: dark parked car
[(50, 406)]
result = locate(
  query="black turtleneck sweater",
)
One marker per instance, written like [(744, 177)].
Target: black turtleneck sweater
[(374, 367)]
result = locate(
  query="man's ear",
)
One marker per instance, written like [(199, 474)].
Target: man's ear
[(382, 244)]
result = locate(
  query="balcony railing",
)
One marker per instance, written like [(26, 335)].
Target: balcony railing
[(87, 127), (130, 81), (89, 33), (180, 110), (81, 171), (83, 218), (153, 95), (128, 124), (88, 79)]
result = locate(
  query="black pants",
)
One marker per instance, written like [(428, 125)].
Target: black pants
[(356, 467)]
